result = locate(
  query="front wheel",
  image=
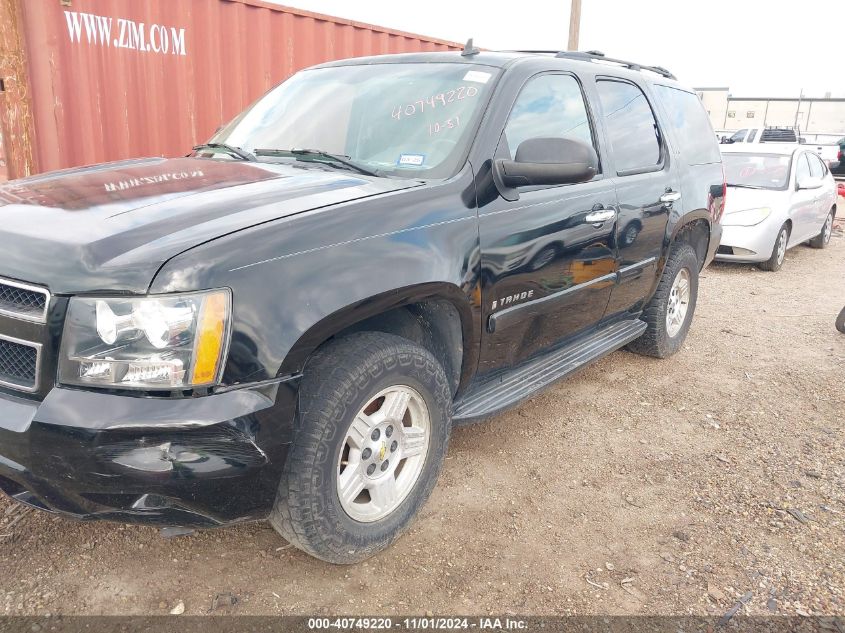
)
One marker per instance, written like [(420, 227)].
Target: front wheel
[(823, 238), (669, 312), (840, 321), (371, 434), (775, 261)]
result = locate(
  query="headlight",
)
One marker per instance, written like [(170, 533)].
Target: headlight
[(165, 342), (749, 217)]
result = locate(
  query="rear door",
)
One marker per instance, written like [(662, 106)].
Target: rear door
[(647, 188), (804, 203), (547, 258), (823, 198)]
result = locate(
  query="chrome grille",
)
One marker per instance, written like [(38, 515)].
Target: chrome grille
[(19, 361), (23, 301)]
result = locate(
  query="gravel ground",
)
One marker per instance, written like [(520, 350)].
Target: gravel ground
[(637, 487)]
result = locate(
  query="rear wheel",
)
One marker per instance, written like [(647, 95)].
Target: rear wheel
[(372, 430), (840, 321), (775, 262), (823, 238), (669, 313)]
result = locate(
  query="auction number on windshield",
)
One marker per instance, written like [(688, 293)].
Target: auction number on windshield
[(439, 100)]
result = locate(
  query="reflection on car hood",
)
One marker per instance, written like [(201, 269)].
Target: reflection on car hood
[(740, 199), (112, 226)]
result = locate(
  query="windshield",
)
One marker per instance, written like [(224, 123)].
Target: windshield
[(406, 120), (766, 171)]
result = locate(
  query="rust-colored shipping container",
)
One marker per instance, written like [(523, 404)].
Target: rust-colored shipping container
[(87, 81)]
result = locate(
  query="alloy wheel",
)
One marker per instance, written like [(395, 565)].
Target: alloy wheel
[(679, 297), (383, 453)]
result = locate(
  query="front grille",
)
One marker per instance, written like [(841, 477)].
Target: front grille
[(23, 301), (19, 364)]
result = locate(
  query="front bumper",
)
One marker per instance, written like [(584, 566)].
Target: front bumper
[(750, 244), (196, 462)]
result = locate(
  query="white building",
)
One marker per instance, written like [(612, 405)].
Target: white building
[(819, 119)]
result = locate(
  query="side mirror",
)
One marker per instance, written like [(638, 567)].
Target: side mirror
[(547, 161), (810, 182)]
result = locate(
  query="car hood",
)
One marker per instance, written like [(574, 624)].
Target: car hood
[(111, 227), (740, 199)]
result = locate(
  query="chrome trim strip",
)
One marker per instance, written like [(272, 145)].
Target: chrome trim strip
[(37, 348), (504, 314), (641, 264), (25, 317)]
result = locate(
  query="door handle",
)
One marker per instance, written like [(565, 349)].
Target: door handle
[(599, 216), (670, 196)]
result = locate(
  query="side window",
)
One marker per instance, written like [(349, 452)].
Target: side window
[(751, 135), (548, 106), (689, 121), (630, 126), (802, 169), (738, 136)]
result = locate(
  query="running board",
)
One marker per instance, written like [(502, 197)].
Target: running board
[(506, 388)]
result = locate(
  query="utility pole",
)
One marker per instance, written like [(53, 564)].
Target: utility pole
[(574, 24), (798, 109)]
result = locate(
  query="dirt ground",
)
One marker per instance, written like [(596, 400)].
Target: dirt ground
[(637, 487)]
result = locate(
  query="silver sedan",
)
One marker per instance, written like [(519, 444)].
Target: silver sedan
[(778, 196)]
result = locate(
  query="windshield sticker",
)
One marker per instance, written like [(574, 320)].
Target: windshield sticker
[(444, 98), (477, 76), (411, 160)]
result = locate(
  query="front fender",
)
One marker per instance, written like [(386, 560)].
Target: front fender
[(298, 280)]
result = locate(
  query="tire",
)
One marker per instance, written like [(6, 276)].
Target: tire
[(340, 380), (542, 259), (775, 262), (630, 234), (840, 321), (823, 238), (659, 340)]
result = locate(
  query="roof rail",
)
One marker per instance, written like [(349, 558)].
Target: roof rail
[(599, 56)]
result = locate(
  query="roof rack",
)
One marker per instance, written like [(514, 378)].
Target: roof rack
[(599, 56)]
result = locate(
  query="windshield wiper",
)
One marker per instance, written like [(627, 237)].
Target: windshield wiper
[(228, 149), (320, 156), (741, 186)]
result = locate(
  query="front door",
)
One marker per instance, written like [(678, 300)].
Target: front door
[(547, 259)]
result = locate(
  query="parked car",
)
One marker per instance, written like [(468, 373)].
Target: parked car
[(286, 324), (778, 197), (763, 135), (839, 169), (828, 152)]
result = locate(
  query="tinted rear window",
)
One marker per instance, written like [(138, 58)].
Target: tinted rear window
[(630, 125), (692, 126)]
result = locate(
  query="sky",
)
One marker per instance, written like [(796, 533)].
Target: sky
[(758, 48)]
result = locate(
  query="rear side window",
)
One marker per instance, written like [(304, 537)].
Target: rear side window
[(817, 169), (548, 106), (630, 126), (688, 119)]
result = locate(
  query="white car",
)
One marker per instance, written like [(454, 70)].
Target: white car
[(777, 197)]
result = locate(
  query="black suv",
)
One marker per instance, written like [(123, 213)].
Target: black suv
[(286, 323)]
